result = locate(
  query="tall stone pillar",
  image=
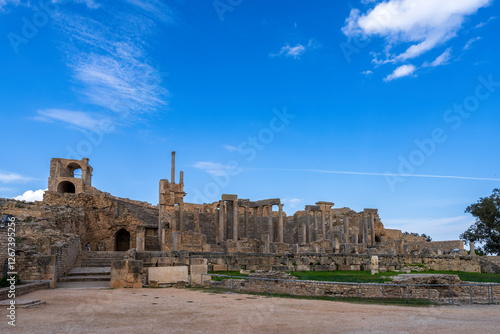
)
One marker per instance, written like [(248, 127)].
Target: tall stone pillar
[(235, 221), (304, 232), (217, 225), (280, 223), (332, 232), (197, 220), (372, 228), (472, 249), (270, 223), (261, 227), (246, 222), (315, 213), (255, 223), (181, 217), (361, 240), (346, 230), (308, 228), (323, 224), (365, 229), (222, 224)]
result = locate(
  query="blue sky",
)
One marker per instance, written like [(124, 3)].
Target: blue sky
[(369, 104)]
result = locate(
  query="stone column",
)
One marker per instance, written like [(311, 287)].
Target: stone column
[(332, 233), (472, 249), (372, 228), (315, 225), (140, 235), (365, 229), (246, 222), (181, 217), (197, 220), (355, 235), (361, 240), (323, 224), (236, 219), (270, 223), (261, 219), (304, 232), (221, 222), (255, 223), (217, 223), (346, 230), (308, 228), (280, 223)]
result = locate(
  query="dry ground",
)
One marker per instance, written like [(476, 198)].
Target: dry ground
[(190, 311)]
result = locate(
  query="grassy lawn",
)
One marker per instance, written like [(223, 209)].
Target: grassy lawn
[(366, 277)]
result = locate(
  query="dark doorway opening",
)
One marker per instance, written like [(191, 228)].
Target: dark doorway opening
[(66, 187), (122, 240)]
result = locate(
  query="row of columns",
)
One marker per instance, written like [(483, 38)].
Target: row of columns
[(364, 235), (222, 222)]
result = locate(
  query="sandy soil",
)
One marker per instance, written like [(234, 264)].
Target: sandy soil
[(189, 311)]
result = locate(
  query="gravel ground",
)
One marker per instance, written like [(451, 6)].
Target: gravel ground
[(191, 311)]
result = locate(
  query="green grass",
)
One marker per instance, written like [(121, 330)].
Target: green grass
[(227, 273), (367, 277)]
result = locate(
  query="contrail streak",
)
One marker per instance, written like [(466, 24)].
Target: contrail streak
[(375, 174)]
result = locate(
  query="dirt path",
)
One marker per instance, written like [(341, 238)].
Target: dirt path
[(188, 311)]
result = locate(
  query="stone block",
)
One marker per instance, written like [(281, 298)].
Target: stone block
[(153, 284), (196, 272), (168, 275), (219, 267), (126, 274)]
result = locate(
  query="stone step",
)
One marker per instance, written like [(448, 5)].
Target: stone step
[(86, 278), (89, 271)]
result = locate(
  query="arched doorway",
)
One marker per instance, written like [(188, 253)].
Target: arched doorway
[(66, 187), (122, 240)]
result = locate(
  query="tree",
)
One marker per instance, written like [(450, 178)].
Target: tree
[(486, 229)]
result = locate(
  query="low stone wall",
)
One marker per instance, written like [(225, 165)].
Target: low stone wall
[(66, 255), (126, 274), (309, 262), (25, 288), (456, 293)]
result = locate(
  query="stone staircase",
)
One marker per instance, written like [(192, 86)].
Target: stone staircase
[(91, 270)]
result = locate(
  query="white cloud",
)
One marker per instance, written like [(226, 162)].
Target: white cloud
[(470, 42), (109, 62), (289, 51), (155, 8), (368, 72), (482, 24), (425, 24), (89, 3), (230, 148), (292, 202), (5, 3), (439, 229), (79, 119), (31, 196), (213, 168), (401, 71), (13, 177), (440, 60)]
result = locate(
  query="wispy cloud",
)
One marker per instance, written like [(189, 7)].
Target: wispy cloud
[(442, 59), (470, 42), (482, 24), (213, 168), (109, 62), (323, 171), (13, 177), (5, 3), (230, 148), (79, 119), (292, 202), (290, 51), (401, 71), (367, 73), (154, 7), (31, 196)]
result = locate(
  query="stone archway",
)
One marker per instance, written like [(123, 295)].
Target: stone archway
[(66, 187), (122, 240)]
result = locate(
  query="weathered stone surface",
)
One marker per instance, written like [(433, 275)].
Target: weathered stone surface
[(168, 275)]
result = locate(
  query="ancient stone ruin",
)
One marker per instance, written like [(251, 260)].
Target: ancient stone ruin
[(230, 234)]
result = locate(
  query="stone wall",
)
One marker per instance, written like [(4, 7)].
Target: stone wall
[(3, 248), (25, 289), (310, 262), (66, 255)]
